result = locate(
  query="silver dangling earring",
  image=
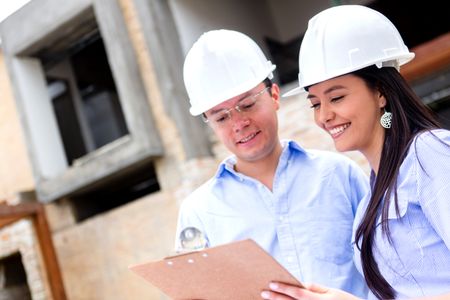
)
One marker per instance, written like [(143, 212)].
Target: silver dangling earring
[(386, 119)]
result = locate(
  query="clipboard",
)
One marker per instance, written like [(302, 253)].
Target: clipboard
[(238, 271)]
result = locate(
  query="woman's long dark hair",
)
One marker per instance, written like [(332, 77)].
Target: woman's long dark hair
[(409, 117)]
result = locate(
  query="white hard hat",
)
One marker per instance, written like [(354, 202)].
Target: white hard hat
[(223, 64), (346, 38)]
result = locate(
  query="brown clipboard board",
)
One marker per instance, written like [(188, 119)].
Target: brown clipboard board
[(238, 271)]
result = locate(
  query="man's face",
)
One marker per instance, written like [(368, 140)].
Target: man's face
[(247, 124)]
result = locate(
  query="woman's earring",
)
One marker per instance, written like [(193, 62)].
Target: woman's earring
[(386, 119)]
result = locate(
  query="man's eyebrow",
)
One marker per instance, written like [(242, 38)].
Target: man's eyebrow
[(214, 111), (327, 91)]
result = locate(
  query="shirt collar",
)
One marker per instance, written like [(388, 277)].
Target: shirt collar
[(227, 165)]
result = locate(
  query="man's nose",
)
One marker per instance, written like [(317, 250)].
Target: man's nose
[(240, 120)]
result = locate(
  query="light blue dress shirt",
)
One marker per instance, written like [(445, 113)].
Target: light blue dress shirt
[(305, 222), (418, 261)]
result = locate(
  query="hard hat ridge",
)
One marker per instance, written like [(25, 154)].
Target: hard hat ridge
[(220, 65), (346, 38)]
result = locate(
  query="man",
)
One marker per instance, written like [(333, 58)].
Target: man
[(297, 204)]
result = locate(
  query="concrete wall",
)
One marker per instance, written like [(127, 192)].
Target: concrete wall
[(193, 17), (15, 169), (281, 20), (290, 17), (95, 255)]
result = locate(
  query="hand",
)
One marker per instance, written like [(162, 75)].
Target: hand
[(282, 291)]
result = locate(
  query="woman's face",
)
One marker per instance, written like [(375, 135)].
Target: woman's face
[(350, 112)]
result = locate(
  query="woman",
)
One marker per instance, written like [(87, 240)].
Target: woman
[(349, 62)]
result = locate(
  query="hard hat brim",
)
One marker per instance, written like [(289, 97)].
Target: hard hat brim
[(293, 92), (401, 60)]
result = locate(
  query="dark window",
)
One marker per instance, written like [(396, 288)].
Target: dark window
[(101, 104), (84, 97), (66, 116), (285, 57), (115, 193), (89, 115), (13, 279)]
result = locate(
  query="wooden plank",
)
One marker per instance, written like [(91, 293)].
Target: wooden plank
[(4, 221), (49, 255), (36, 211), (19, 210), (431, 57)]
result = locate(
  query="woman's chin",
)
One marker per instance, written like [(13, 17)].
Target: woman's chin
[(340, 147)]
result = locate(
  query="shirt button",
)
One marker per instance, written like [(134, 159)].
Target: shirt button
[(290, 259)]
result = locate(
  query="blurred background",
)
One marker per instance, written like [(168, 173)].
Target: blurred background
[(98, 148)]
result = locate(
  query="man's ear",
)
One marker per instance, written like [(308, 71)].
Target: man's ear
[(275, 91)]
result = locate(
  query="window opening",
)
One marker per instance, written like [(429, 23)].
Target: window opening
[(285, 57), (84, 96), (115, 193), (13, 279)]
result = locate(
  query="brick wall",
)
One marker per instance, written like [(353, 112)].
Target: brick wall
[(20, 237)]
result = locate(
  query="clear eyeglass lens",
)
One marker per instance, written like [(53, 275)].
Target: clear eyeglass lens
[(245, 105)]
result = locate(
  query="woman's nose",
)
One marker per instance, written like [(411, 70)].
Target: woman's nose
[(325, 114)]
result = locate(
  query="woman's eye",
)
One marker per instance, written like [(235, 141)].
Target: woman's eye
[(334, 99), (315, 105)]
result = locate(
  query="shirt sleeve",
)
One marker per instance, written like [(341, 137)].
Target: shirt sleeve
[(433, 179), (359, 184), (188, 217)]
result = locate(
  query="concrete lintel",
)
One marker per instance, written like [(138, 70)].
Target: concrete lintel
[(32, 26)]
